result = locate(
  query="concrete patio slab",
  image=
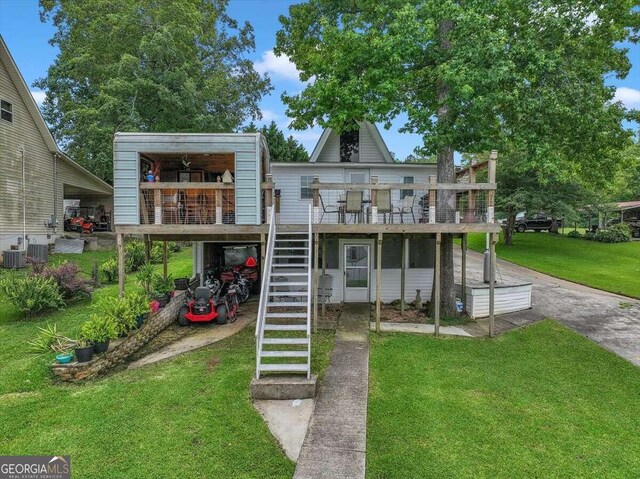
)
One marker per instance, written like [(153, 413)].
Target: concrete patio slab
[(418, 328), (287, 421)]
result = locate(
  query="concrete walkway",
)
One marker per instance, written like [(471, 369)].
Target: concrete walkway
[(611, 320), (420, 328), (336, 440)]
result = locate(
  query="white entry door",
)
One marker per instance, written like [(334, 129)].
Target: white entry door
[(356, 272)]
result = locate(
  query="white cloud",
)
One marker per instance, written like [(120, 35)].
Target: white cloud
[(269, 115), (38, 96), (277, 66), (628, 96)]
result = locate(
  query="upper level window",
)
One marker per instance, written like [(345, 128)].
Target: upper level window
[(350, 146), (305, 187), (6, 110), (405, 180)]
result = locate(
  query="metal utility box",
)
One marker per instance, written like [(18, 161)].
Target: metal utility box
[(14, 259), (38, 251)]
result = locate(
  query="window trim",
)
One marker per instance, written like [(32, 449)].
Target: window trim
[(403, 192), (303, 187), (4, 111)]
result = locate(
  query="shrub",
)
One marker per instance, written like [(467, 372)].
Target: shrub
[(174, 247), (99, 329), (32, 294), (145, 277), (133, 256), (123, 311), (619, 233), (49, 339), (574, 234), (110, 270), (161, 285), (156, 253), (69, 280)]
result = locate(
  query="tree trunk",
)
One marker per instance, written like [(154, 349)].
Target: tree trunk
[(446, 199), (510, 227), (554, 226)]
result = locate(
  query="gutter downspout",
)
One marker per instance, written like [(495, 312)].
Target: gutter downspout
[(24, 202), (55, 188)]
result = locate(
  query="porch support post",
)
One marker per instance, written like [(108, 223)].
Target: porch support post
[(157, 206), (263, 252), (147, 248), (268, 198), (436, 285), (316, 248), (373, 194), (164, 259), (324, 277), (316, 199), (121, 271), (403, 271), (378, 280), (463, 294), (492, 281)]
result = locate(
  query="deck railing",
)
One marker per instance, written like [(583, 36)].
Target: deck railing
[(431, 202), (173, 203)]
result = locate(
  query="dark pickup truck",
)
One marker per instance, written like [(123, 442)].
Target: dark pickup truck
[(535, 223)]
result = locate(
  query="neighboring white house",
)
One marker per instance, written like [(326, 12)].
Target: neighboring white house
[(35, 175), (365, 159)]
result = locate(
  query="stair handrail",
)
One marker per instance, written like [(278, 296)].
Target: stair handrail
[(310, 291), (264, 287)]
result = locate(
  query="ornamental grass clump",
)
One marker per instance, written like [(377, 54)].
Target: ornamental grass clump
[(32, 294), (68, 277)]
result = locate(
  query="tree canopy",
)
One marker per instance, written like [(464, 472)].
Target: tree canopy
[(471, 76), (281, 149), (151, 66)]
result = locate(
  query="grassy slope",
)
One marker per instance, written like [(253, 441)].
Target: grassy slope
[(189, 417), (611, 267), (537, 402)]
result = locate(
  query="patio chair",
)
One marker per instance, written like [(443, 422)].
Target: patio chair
[(325, 283), (408, 204), (192, 206), (170, 207), (354, 205), (383, 202), (331, 209)]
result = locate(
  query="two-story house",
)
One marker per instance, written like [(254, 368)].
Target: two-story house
[(352, 225)]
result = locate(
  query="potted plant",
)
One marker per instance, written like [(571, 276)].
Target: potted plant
[(118, 310), (65, 356), (162, 288), (137, 307), (83, 350), (145, 277), (99, 330)]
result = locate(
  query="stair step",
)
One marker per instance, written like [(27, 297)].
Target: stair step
[(291, 233), (303, 256), (298, 341), (288, 293), (286, 248), (287, 240), (299, 304), (288, 283), (285, 327), (303, 367), (284, 354), (290, 265), (287, 315), (274, 275)]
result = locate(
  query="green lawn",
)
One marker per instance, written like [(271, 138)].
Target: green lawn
[(611, 267), (537, 402), (187, 417)]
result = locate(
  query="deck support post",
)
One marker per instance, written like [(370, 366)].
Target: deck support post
[(378, 280), (492, 281), (157, 207), (121, 271), (316, 247), (263, 253), (164, 259), (436, 285), (463, 285), (147, 248), (316, 199), (403, 271), (324, 277)]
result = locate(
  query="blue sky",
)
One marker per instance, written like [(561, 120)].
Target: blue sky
[(27, 39)]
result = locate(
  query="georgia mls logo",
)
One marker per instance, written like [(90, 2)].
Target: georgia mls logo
[(35, 467)]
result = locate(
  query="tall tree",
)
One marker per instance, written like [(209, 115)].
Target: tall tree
[(471, 76), (174, 66), (281, 148)]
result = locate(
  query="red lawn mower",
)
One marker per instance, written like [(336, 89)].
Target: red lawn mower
[(202, 307)]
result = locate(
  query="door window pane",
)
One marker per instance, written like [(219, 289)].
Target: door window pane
[(357, 256), (357, 277)]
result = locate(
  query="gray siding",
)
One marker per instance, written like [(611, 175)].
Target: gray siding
[(248, 169)]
